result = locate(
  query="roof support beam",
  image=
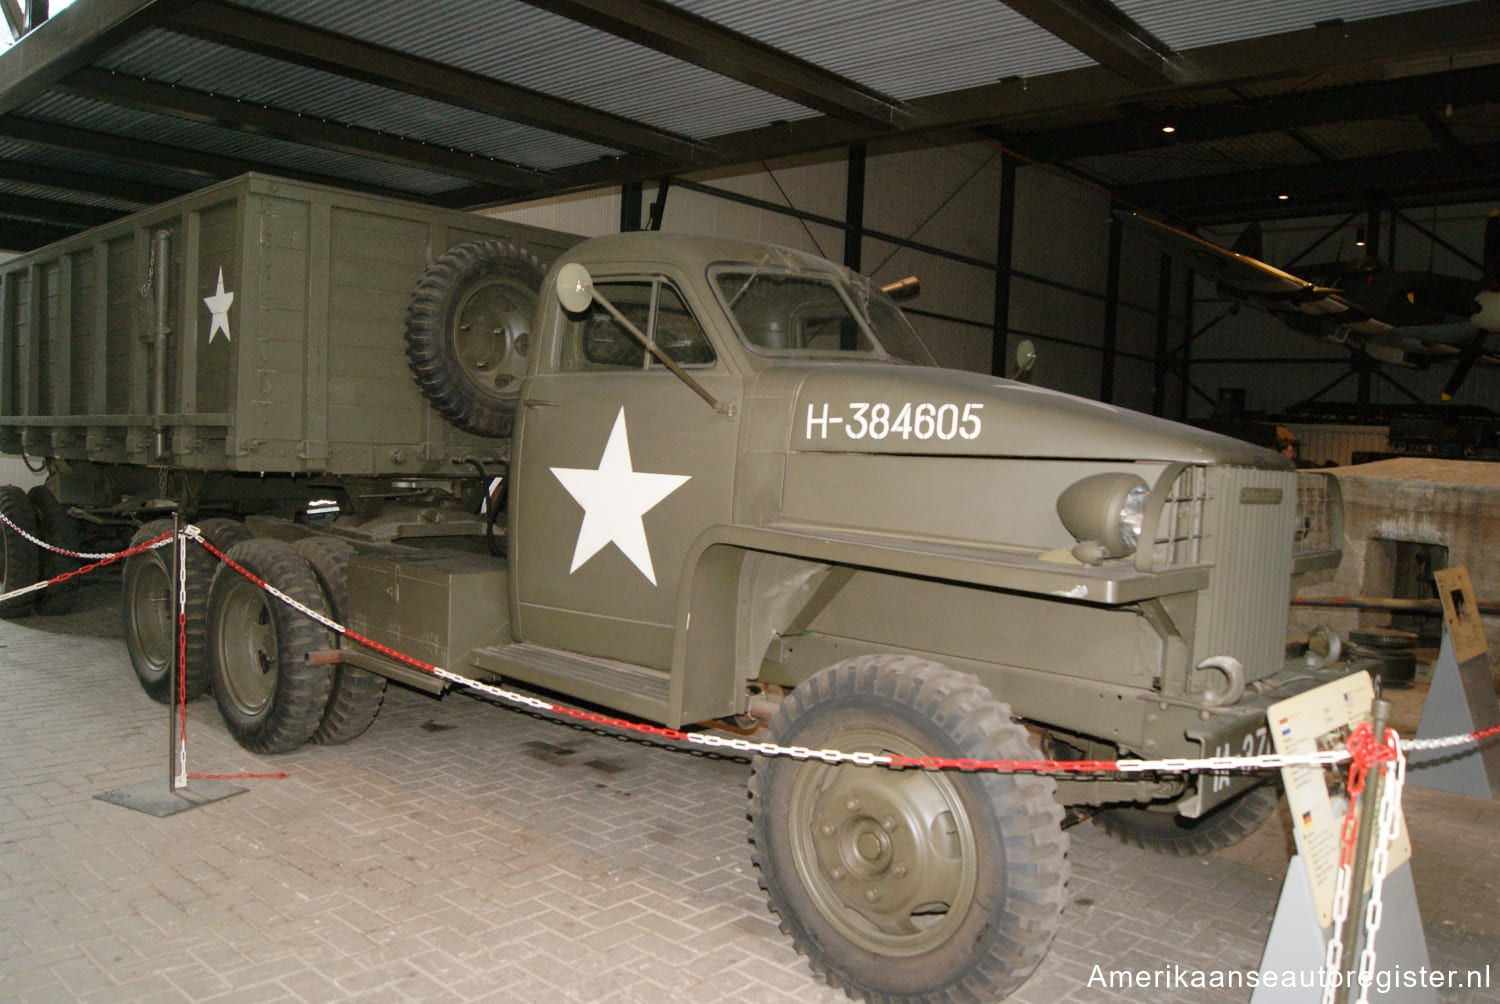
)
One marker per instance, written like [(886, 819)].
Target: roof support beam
[(215, 110), (210, 166), (1341, 185), (135, 192), (15, 18), (50, 211), (1401, 96), (1103, 32), (294, 42), (697, 40), (75, 37)]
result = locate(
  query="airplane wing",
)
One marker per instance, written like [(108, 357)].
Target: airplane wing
[(1305, 306)]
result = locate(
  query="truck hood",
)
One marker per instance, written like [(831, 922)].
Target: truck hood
[(896, 409)]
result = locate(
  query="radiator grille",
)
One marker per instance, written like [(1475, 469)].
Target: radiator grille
[(1252, 517)]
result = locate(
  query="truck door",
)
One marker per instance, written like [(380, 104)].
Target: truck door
[(619, 466)]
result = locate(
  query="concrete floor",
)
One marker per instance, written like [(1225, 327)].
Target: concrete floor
[(462, 851)]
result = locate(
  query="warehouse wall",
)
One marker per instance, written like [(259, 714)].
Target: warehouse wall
[(945, 201)]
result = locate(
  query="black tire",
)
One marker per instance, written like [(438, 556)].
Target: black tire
[(150, 634), (911, 885), (270, 696), (223, 532), (18, 556), (56, 527), (468, 332), (357, 695), (1161, 830)]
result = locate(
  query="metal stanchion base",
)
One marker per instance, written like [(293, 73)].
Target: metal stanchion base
[(158, 798)]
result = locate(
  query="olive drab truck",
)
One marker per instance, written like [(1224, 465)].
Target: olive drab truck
[(689, 479)]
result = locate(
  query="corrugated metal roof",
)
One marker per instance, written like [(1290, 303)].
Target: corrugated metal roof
[(1188, 24), (28, 191), (66, 160), (897, 48), (628, 93), (234, 73), (532, 48), (125, 122)]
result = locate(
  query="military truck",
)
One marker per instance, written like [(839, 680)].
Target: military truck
[(735, 488)]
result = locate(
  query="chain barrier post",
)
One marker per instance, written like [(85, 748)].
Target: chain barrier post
[(1369, 814), (182, 791), (177, 734)]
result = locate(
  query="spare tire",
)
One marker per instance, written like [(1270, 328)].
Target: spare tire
[(468, 332)]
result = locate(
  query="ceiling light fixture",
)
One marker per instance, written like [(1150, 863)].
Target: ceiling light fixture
[(1169, 129)]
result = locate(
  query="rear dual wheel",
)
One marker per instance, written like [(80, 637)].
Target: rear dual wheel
[(152, 636), (271, 698), (356, 695)]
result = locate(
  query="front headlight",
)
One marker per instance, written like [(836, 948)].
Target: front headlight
[(1108, 509)]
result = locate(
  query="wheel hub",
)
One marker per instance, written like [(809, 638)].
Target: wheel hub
[(492, 339), (888, 854)]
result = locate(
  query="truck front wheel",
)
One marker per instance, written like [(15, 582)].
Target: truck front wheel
[(271, 698), (909, 885)]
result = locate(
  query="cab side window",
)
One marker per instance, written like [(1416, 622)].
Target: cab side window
[(596, 340)]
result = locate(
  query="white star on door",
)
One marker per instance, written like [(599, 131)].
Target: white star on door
[(218, 305), (614, 498)]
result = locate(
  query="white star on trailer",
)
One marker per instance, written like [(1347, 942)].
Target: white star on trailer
[(218, 305), (614, 497)]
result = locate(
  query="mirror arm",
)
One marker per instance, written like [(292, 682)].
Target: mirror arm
[(657, 353)]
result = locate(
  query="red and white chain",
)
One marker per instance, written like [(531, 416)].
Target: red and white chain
[(81, 556)]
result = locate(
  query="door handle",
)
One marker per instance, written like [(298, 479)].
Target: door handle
[(536, 402)]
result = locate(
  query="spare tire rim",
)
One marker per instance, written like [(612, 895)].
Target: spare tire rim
[(492, 336), (888, 856)]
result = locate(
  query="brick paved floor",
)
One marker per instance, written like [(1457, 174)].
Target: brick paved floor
[(461, 851)]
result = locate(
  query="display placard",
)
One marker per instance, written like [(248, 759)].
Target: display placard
[(1317, 720), (1461, 613)]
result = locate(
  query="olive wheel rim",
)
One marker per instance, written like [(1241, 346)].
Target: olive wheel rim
[(877, 849), (150, 610), (247, 649), (491, 337)]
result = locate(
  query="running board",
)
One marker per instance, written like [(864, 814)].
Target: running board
[(634, 690)]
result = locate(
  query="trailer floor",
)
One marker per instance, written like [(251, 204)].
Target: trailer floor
[(461, 851)]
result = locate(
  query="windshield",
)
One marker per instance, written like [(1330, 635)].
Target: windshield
[(815, 315)]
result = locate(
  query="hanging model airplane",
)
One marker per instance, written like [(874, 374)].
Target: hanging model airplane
[(1407, 318)]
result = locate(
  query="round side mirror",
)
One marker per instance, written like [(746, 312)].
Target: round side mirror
[(1025, 357), (575, 288)]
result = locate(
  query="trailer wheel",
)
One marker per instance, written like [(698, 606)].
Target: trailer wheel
[(911, 885), (357, 695), (270, 696), (468, 332), (151, 637), (1161, 830), (56, 527), (18, 556)]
